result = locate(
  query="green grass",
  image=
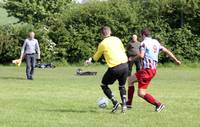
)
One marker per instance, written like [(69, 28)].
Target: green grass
[(58, 98), (4, 19)]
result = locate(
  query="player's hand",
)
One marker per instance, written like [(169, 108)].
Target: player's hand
[(178, 62), (130, 59), (89, 61)]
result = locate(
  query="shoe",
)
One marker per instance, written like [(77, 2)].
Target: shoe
[(124, 108), (29, 78), (115, 107), (129, 107), (160, 108)]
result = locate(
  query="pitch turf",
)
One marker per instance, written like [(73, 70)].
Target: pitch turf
[(58, 98)]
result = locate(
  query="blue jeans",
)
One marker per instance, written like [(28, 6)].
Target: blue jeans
[(30, 65)]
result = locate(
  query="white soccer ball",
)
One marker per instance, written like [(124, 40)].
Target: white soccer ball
[(102, 102)]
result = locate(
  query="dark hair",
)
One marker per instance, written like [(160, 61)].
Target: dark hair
[(146, 32), (105, 30)]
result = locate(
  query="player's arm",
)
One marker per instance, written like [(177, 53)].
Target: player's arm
[(96, 56), (99, 52), (171, 55)]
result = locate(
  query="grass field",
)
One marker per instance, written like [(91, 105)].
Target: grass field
[(58, 98)]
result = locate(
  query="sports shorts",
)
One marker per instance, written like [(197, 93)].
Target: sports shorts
[(119, 72), (144, 77)]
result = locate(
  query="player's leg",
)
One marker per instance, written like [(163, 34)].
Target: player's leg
[(109, 78), (143, 84), (131, 90), (28, 66), (131, 87), (122, 77), (149, 98)]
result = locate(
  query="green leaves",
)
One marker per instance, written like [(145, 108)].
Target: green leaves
[(35, 11), (74, 28)]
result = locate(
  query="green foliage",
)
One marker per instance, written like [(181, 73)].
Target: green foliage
[(12, 39), (80, 34), (185, 44), (8, 44), (74, 28), (36, 11)]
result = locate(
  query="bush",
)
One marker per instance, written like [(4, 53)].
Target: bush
[(9, 45), (73, 34)]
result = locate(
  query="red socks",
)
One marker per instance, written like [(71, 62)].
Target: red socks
[(131, 90), (151, 100)]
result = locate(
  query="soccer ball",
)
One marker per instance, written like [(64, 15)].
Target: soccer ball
[(102, 102)]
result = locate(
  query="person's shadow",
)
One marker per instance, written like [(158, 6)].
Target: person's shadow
[(71, 110), (13, 78)]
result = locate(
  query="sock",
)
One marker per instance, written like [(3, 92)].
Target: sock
[(107, 91), (131, 90), (114, 101), (151, 100), (123, 94)]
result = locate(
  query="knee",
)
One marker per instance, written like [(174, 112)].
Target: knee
[(122, 90), (141, 93), (103, 86), (122, 87)]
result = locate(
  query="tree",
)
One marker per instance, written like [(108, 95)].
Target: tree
[(36, 11)]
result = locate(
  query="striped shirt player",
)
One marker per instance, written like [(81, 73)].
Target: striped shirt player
[(149, 51), (151, 48)]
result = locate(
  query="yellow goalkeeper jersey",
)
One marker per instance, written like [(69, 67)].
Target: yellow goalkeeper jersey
[(113, 51)]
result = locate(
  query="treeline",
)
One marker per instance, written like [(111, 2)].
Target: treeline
[(70, 32)]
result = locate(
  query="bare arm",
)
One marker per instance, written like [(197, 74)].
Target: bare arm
[(165, 50)]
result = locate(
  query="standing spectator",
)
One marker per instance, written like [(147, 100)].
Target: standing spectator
[(29, 50)]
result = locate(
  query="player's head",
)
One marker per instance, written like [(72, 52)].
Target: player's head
[(31, 35), (146, 33), (134, 38), (106, 31)]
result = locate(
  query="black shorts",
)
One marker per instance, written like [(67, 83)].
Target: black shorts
[(119, 72)]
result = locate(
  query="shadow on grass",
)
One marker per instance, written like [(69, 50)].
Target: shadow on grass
[(13, 78), (71, 110)]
